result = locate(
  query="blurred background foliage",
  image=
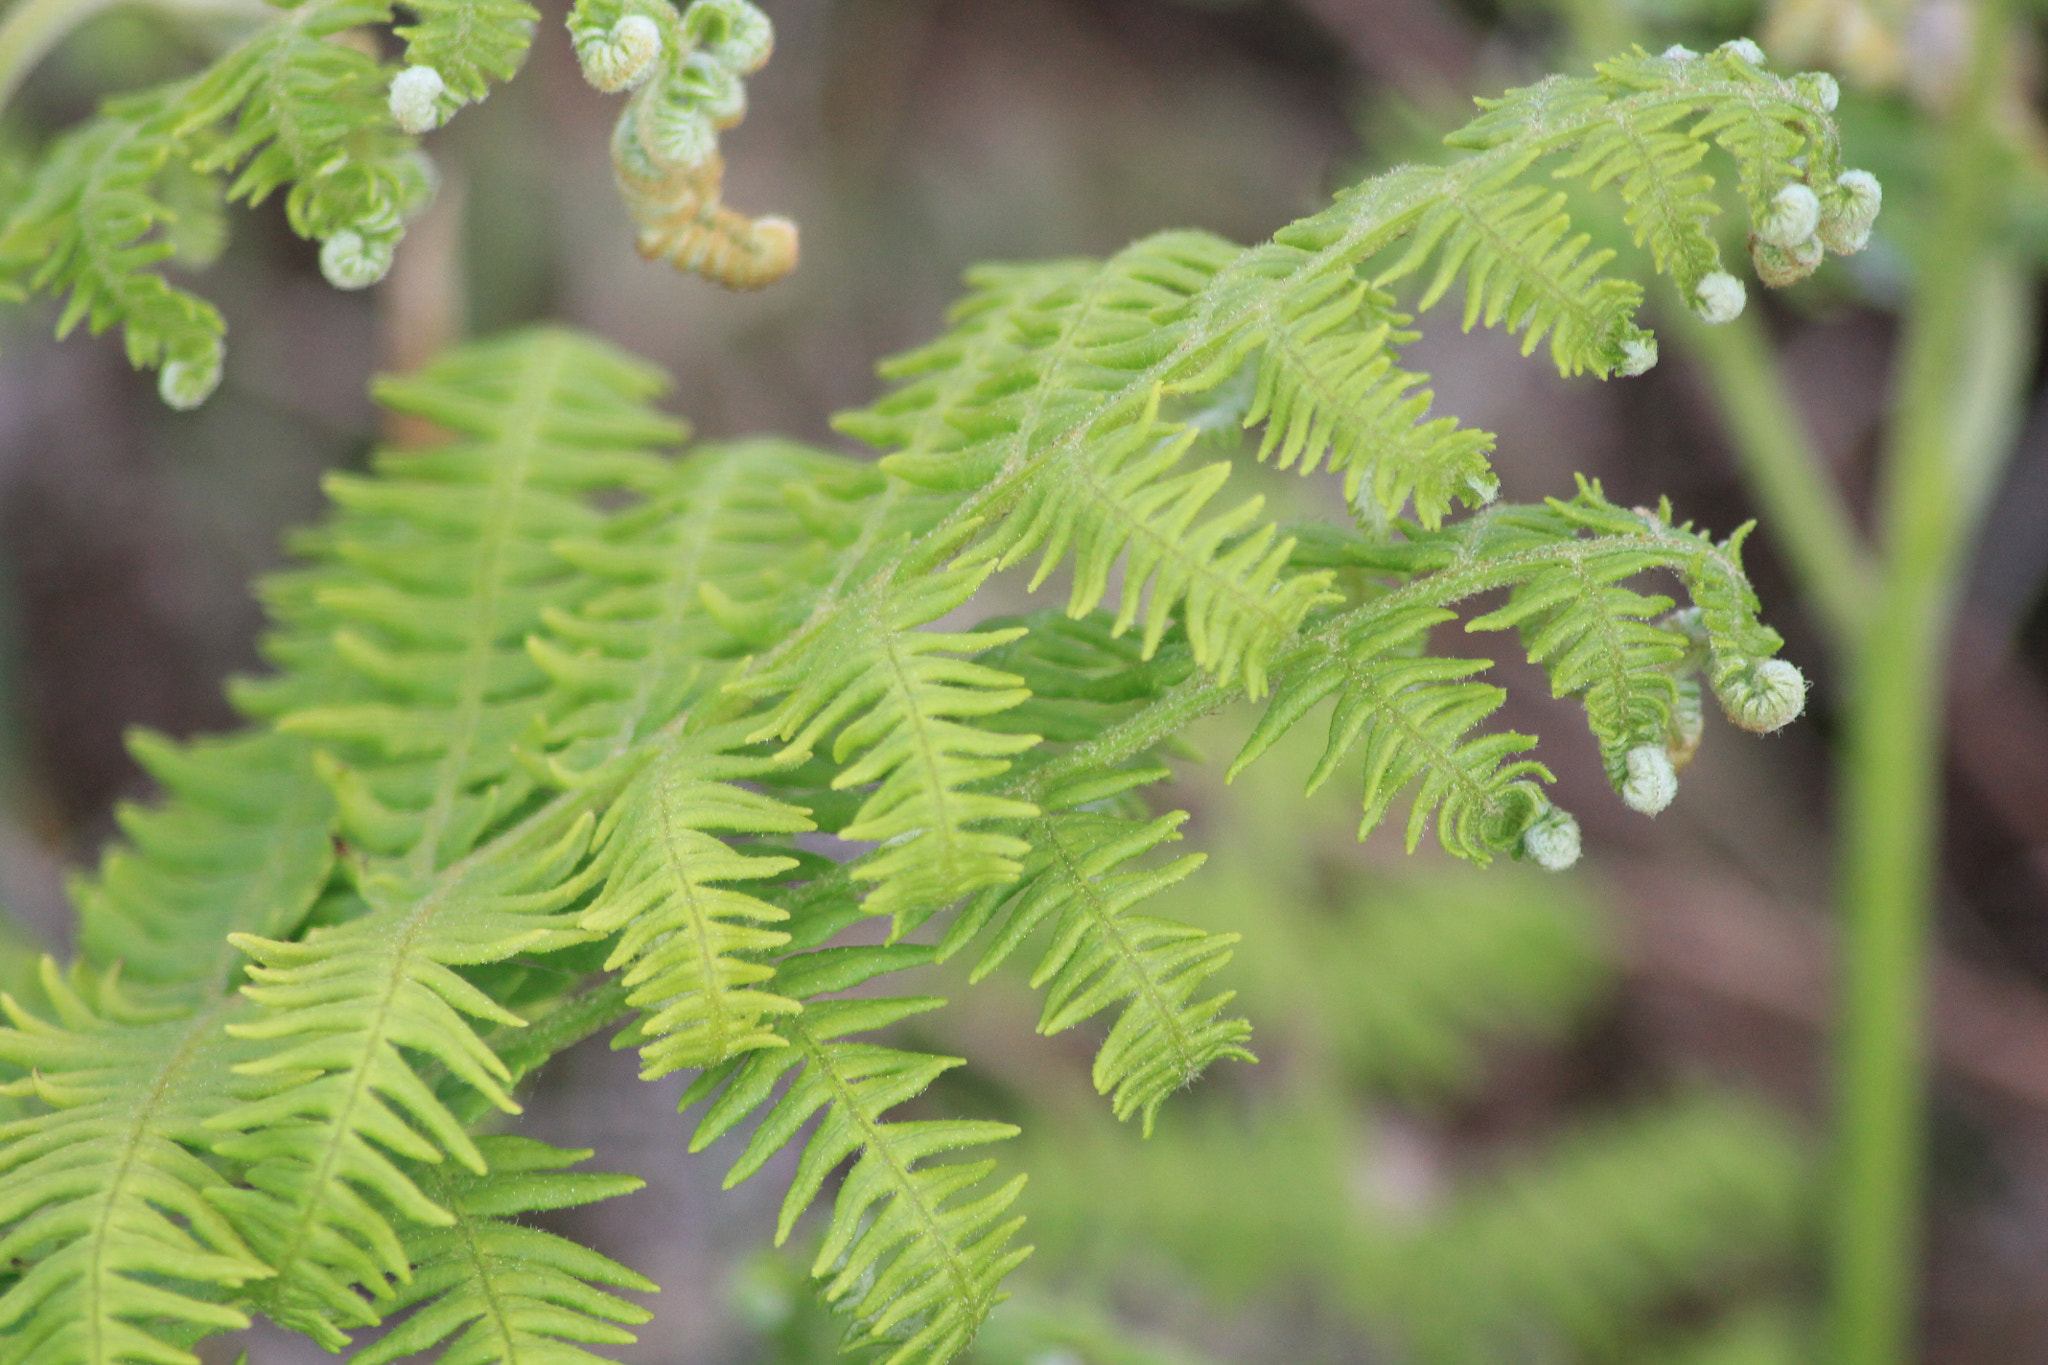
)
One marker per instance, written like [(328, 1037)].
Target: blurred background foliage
[(1499, 1117)]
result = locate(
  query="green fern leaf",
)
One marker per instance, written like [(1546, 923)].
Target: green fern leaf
[(1525, 270), (1328, 389), (1079, 879), (406, 648), (983, 341), (1413, 713), (469, 43), (334, 1099), (914, 1252), (488, 1289), (690, 945), (728, 550), (240, 844), (106, 1194), (408, 662), (898, 697), (90, 224)]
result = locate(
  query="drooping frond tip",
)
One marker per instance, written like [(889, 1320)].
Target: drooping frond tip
[(687, 73)]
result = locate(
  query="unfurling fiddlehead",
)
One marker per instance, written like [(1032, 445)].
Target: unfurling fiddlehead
[(687, 75)]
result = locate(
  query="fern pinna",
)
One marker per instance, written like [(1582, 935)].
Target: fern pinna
[(552, 706)]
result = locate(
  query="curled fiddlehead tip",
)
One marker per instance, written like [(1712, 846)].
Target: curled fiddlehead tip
[(1793, 216), (733, 32), (1826, 91), (1678, 52), (1779, 266), (665, 148), (1761, 696), (1746, 49), (1651, 783), (185, 384), (1718, 297), (1638, 355), (416, 98), (1850, 213), (352, 260), (621, 57), (1552, 840)]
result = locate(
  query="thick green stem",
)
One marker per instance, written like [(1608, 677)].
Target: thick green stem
[(1804, 512), (1961, 375)]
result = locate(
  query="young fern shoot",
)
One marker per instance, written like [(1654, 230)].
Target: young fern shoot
[(549, 703)]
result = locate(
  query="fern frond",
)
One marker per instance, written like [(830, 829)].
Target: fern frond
[(689, 942), (902, 701), (88, 225), (1219, 577), (337, 1097), (407, 662), (723, 555), (467, 44), (1079, 877), (405, 646), (1413, 713), (1328, 389), (287, 108), (297, 110), (106, 1196), (687, 71), (1524, 269), (240, 844), (488, 1289), (983, 340), (914, 1252)]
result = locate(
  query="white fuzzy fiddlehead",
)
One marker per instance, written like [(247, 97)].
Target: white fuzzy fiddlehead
[(1651, 782), (1826, 92), (1746, 49), (1719, 297), (1850, 213), (735, 35), (359, 256), (185, 384), (1780, 266), (1760, 695), (350, 260), (416, 98), (1793, 216), (1639, 355), (1552, 840)]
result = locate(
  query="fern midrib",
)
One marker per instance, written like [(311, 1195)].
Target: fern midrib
[(343, 1124), (1530, 270), (1666, 208), (847, 1101), (204, 1026), (1110, 926), (520, 440), (487, 1283), (680, 601), (1604, 628), (713, 992), (276, 65), (1328, 393), (930, 761)]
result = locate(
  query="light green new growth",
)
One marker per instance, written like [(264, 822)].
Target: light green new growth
[(548, 703)]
